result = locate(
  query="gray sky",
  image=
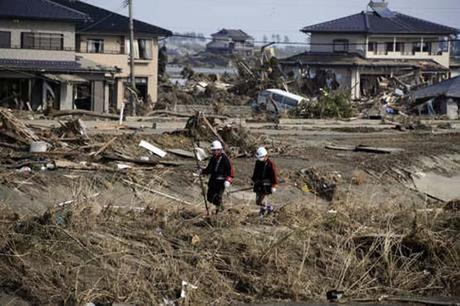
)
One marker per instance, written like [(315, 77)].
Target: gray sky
[(266, 17)]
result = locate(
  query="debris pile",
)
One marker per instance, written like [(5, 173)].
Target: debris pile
[(235, 137), (170, 255)]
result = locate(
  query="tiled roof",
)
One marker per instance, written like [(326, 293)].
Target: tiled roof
[(217, 45), (52, 66), (239, 35), (449, 88), (353, 59), (38, 9), (105, 21), (372, 23)]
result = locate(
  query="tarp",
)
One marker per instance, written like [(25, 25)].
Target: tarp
[(449, 88), (65, 78)]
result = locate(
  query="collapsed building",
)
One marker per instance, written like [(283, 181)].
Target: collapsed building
[(354, 52)]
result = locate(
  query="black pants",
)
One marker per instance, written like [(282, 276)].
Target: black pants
[(262, 190), (215, 192)]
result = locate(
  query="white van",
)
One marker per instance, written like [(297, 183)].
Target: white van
[(276, 100)]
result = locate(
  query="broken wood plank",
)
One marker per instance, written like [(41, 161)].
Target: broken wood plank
[(126, 159), (367, 149), (340, 148), (158, 193), (14, 146), (14, 126), (213, 130), (104, 147), (378, 150), (80, 112), (146, 145)]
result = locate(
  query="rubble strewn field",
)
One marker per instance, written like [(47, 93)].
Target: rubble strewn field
[(97, 218)]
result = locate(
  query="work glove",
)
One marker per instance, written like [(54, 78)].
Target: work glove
[(227, 184), (273, 189)]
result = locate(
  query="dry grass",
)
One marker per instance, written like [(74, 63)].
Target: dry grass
[(78, 254)]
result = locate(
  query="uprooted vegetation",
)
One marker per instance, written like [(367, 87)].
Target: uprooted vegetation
[(78, 254)]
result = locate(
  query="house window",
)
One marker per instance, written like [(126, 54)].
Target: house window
[(372, 46), (341, 45), (43, 41), (5, 39), (142, 49), (95, 46), (400, 47), (389, 47), (418, 47)]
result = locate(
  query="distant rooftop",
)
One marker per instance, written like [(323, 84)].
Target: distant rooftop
[(105, 21), (38, 9), (379, 19), (239, 35)]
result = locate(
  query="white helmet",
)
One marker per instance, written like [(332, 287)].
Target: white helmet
[(261, 153), (216, 145)]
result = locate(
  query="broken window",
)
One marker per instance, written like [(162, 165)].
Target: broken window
[(42, 41), (95, 46), (341, 45), (5, 39)]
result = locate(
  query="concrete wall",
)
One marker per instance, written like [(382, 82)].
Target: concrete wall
[(18, 26), (143, 68)]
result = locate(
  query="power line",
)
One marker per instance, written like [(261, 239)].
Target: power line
[(124, 4), (309, 43)]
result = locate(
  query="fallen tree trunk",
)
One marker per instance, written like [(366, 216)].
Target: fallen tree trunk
[(80, 112)]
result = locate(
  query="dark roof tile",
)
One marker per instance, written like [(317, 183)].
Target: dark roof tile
[(38, 9), (105, 21), (234, 34), (372, 23)]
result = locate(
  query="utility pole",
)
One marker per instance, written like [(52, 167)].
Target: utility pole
[(132, 77)]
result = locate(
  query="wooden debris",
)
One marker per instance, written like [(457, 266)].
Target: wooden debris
[(182, 153), (158, 193), (367, 149), (72, 128), (105, 146), (79, 112), (12, 126), (152, 148)]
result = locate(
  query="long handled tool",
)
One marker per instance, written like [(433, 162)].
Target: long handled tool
[(203, 189)]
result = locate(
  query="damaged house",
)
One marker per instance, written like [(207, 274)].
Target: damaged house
[(359, 52), (104, 39), (68, 54), (39, 66), (229, 41)]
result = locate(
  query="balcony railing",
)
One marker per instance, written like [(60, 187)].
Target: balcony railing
[(37, 48)]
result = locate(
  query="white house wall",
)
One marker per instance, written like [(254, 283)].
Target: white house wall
[(19, 26)]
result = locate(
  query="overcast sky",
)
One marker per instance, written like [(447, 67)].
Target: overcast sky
[(267, 17)]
